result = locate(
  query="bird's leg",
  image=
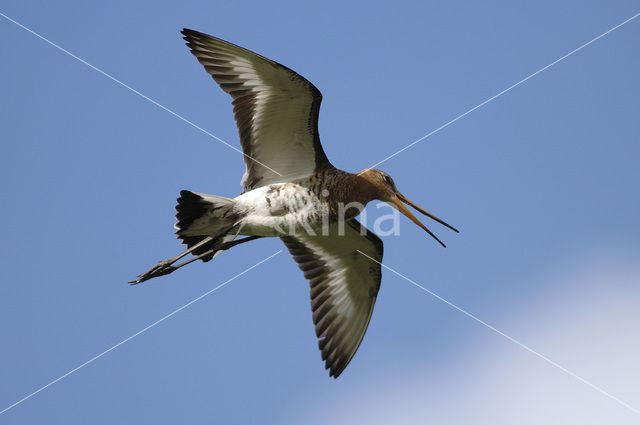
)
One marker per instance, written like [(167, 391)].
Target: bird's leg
[(165, 267), (231, 244), (222, 247)]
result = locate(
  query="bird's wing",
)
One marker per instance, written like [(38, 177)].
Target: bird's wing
[(276, 111), (344, 285)]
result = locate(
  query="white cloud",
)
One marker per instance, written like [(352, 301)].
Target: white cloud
[(591, 327)]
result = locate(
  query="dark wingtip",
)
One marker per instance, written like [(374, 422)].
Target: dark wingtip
[(190, 35)]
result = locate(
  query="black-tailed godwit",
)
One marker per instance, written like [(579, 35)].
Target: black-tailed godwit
[(291, 191)]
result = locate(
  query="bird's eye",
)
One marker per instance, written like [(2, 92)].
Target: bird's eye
[(387, 179)]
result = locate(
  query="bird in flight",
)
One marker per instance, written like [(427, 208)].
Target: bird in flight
[(291, 191)]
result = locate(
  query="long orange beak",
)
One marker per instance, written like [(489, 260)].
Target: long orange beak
[(398, 203)]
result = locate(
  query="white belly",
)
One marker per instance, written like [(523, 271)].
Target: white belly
[(280, 209)]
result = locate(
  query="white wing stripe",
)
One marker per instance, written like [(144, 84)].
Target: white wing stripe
[(275, 109), (343, 289)]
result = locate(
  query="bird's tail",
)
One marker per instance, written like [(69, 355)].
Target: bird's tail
[(199, 216)]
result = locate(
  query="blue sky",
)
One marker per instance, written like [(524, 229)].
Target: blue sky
[(542, 182)]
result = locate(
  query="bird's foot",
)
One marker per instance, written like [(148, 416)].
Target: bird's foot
[(162, 268)]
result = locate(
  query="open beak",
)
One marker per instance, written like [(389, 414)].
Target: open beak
[(397, 202)]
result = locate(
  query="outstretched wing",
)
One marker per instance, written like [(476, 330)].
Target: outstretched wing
[(344, 285), (276, 111)]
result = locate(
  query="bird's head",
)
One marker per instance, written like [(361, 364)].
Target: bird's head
[(386, 191)]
